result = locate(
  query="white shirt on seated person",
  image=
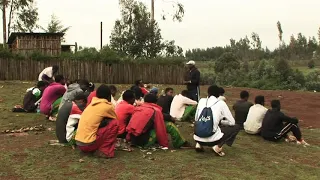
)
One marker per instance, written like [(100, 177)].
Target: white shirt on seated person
[(221, 113), (179, 104), (254, 119)]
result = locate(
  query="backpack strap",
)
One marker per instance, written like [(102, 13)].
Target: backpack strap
[(213, 104)]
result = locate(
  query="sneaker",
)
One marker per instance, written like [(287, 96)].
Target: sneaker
[(199, 148), (303, 142)]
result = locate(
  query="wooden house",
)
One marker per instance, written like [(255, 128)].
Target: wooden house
[(27, 43)]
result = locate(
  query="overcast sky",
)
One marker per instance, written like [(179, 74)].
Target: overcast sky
[(206, 23)]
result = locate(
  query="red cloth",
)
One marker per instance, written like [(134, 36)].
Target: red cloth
[(105, 141), (75, 109), (144, 91), (140, 118), (91, 95), (123, 111), (53, 92)]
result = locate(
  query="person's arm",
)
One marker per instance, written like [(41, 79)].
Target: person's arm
[(227, 115), (70, 127), (288, 119), (188, 101)]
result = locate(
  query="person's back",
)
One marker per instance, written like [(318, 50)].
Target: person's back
[(72, 91), (61, 121), (124, 110), (179, 104), (255, 116), (241, 108), (30, 99), (51, 93), (272, 123), (166, 100)]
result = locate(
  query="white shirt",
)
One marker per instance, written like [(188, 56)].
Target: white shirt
[(254, 119), (179, 104), (220, 110), (47, 71)]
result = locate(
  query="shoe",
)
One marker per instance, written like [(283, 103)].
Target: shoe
[(199, 148), (291, 139), (218, 151), (303, 142)]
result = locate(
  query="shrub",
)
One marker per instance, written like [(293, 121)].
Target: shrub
[(313, 86), (227, 61), (311, 64)]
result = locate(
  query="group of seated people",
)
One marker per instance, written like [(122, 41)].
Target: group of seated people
[(94, 120)]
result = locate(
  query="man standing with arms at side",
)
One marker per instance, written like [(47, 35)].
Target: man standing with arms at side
[(193, 81)]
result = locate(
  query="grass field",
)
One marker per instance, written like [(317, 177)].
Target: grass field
[(29, 156)]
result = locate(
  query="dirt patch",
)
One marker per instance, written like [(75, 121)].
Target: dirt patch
[(303, 105)]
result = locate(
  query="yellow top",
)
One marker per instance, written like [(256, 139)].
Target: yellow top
[(91, 119)]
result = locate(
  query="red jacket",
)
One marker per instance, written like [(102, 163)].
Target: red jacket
[(140, 118), (91, 95), (123, 111)]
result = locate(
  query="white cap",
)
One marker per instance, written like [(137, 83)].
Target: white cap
[(190, 63)]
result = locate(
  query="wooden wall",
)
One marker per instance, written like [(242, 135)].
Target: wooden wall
[(49, 45), (100, 72)]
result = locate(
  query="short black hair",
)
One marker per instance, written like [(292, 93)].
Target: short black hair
[(185, 93), (128, 95), (222, 91), (150, 98), (81, 96), (113, 87), (275, 104), (168, 89), (104, 92), (41, 84), (259, 100), (58, 78), (244, 94), (137, 82), (83, 82), (55, 68), (214, 90)]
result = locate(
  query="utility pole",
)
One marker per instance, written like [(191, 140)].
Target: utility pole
[(152, 10), (100, 35), (4, 19)]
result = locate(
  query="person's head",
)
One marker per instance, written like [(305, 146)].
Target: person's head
[(84, 84), (214, 90), (185, 93), (55, 69), (150, 98), (154, 91), (222, 91), (259, 100), (59, 79), (147, 85), (275, 104), (91, 87), (168, 91), (244, 95), (190, 64), (42, 85), (139, 83), (80, 99), (104, 92), (129, 97), (113, 90)]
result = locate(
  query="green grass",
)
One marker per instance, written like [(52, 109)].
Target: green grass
[(305, 70), (30, 157)]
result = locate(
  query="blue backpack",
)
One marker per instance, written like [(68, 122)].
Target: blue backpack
[(203, 126)]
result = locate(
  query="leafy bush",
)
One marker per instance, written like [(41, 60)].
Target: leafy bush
[(227, 61), (311, 64), (313, 86)]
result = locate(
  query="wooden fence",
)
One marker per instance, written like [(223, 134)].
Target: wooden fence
[(95, 71)]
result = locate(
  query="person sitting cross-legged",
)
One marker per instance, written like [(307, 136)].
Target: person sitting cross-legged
[(255, 116), (241, 108), (52, 97), (182, 107), (277, 125), (216, 128), (98, 126), (147, 126)]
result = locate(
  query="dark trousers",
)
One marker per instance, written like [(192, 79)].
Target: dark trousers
[(229, 135), (195, 94), (288, 127)]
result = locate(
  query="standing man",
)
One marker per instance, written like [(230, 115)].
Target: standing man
[(193, 81)]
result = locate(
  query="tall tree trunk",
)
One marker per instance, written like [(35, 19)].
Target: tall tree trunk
[(4, 22), (10, 17), (152, 10)]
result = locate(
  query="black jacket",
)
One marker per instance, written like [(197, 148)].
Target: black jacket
[(273, 123), (137, 91), (194, 77), (165, 103)]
